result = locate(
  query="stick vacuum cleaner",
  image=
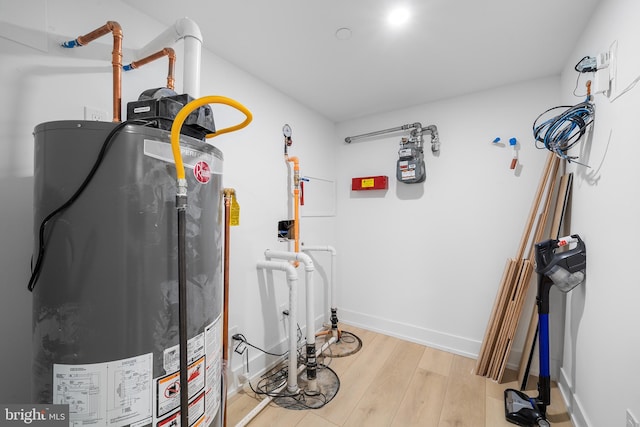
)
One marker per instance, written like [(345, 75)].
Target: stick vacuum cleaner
[(566, 270)]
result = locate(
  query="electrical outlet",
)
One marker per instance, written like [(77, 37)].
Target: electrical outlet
[(631, 420), (601, 81), (232, 331), (602, 60), (95, 114)]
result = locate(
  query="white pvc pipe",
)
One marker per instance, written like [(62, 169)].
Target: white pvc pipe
[(331, 250), (191, 72), (326, 345), (293, 371), (292, 280), (312, 384), (259, 407), (187, 30), (332, 285)]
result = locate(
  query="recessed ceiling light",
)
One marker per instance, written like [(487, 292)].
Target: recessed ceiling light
[(398, 16), (343, 33)]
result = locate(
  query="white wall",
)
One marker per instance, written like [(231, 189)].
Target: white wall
[(50, 83), (440, 247), (602, 342)]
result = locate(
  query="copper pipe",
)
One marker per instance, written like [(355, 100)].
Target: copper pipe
[(168, 52), (228, 194), (116, 61)]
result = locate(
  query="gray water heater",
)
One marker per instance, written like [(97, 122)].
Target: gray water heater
[(105, 306)]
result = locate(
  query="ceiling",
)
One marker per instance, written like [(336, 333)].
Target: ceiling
[(448, 47)]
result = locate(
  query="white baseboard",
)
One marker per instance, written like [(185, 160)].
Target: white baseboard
[(572, 401), (428, 337)]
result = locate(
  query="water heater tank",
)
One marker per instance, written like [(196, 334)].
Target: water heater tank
[(105, 307)]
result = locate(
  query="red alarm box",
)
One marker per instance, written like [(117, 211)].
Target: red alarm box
[(370, 183)]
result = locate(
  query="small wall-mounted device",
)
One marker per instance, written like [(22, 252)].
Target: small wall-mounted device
[(286, 229)]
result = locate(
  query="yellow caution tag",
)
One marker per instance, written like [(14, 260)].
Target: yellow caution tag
[(234, 212), (368, 183)]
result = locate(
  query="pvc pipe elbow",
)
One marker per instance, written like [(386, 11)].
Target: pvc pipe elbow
[(182, 28), (319, 249), (292, 274), (186, 27), (291, 256)]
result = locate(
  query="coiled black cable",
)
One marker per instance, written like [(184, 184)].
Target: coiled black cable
[(561, 132), (42, 241), (273, 380)]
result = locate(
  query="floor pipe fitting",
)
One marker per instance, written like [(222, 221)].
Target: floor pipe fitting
[(312, 384), (292, 281), (264, 402)]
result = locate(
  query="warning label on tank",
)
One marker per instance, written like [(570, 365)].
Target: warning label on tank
[(168, 387), (204, 375), (196, 415), (116, 393), (195, 350)]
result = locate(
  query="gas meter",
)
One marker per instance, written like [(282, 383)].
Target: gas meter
[(410, 167)]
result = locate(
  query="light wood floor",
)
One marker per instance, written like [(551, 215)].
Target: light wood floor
[(391, 382)]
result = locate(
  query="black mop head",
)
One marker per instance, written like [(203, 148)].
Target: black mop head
[(519, 409)]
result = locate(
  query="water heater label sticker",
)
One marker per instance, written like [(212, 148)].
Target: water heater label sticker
[(168, 387), (190, 157), (170, 421), (196, 409), (195, 350), (213, 339), (116, 393)]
